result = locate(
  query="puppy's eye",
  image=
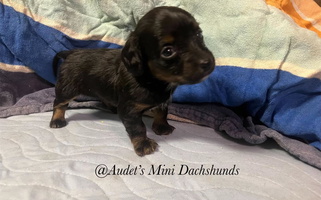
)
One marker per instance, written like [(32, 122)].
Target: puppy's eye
[(168, 52)]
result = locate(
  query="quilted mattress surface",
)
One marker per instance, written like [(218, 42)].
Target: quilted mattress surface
[(92, 158)]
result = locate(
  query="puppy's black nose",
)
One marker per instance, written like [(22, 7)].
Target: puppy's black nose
[(205, 64)]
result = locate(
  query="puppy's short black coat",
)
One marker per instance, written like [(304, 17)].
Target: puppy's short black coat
[(165, 50)]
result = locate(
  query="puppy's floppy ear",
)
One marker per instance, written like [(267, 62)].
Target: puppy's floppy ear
[(131, 56)]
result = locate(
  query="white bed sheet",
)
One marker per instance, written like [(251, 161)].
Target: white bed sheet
[(42, 163)]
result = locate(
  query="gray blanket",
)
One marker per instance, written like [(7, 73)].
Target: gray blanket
[(26, 93)]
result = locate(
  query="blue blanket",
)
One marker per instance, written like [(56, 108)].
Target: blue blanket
[(266, 64)]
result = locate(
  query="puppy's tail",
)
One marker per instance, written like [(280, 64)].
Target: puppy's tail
[(58, 56)]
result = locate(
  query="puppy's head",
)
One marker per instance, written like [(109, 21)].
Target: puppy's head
[(168, 44)]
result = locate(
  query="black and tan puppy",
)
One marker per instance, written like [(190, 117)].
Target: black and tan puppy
[(165, 50)]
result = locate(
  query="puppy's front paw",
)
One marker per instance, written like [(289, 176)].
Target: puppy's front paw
[(162, 129), (58, 123), (144, 146)]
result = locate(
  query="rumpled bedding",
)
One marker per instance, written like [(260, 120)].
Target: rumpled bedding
[(266, 83), (306, 13)]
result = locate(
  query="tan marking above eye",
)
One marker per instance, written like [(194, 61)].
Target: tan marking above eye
[(168, 39)]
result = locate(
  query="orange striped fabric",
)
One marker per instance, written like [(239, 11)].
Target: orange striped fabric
[(306, 13)]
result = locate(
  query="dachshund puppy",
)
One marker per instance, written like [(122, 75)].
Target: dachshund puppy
[(165, 50)]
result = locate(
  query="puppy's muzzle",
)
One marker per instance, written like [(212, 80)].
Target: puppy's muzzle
[(201, 70)]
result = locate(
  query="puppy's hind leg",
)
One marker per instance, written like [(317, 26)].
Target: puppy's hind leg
[(58, 118), (65, 92)]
